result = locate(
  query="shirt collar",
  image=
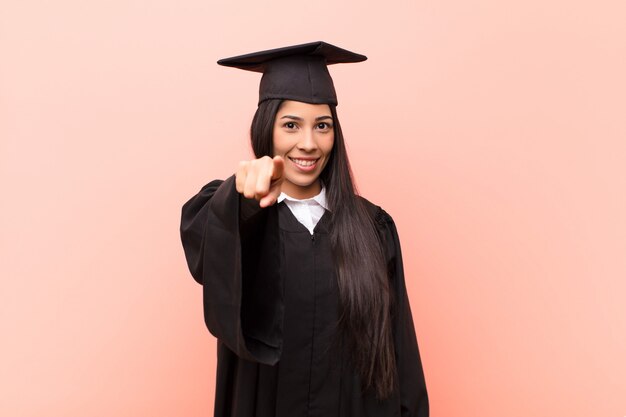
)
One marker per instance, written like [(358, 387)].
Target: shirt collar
[(319, 199)]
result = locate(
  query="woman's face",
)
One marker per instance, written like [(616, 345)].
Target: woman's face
[(304, 137)]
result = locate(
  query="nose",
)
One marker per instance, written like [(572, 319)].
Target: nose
[(308, 142)]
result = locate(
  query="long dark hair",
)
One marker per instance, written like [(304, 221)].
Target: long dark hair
[(364, 293)]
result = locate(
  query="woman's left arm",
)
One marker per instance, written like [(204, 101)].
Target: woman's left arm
[(412, 385)]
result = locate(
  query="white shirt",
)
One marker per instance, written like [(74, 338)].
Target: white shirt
[(308, 211)]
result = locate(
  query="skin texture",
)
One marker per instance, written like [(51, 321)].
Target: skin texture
[(303, 133)]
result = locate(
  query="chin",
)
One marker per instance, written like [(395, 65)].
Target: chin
[(302, 181), (303, 184)]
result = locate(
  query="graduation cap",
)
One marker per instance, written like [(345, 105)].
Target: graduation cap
[(298, 72)]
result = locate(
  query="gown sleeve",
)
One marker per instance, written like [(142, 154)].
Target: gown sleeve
[(231, 246), (412, 385)]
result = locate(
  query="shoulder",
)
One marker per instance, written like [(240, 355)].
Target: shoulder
[(376, 212), (387, 232)]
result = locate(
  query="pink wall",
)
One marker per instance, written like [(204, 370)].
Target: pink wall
[(493, 132)]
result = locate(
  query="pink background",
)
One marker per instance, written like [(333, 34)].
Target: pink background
[(492, 131)]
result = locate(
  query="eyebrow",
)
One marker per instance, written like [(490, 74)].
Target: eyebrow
[(299, 119)]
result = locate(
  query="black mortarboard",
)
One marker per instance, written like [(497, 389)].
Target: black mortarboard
[(296, 72)]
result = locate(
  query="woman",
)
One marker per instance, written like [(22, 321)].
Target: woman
[(302, 279)]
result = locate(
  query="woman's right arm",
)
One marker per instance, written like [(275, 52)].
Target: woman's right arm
[(231, 247)]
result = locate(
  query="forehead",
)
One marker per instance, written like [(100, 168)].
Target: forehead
[(299, 108)]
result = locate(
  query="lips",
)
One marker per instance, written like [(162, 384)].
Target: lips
[(304, 164)]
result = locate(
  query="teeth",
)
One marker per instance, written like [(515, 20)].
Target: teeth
[(303, 162)]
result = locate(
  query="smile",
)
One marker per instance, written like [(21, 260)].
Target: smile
[(305, 163)]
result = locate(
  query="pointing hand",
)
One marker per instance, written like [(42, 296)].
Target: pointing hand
[(261, 179)]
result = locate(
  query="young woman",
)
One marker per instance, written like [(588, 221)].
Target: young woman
[(302, 278)]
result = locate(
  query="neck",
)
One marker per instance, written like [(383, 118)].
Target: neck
[(301, 192)]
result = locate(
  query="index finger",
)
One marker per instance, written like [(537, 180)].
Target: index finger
[(278, 167)]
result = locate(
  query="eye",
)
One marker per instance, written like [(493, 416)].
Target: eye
[(289, 125), (323, 126)]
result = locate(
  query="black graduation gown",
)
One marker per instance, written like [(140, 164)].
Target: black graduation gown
[(271, 300)]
